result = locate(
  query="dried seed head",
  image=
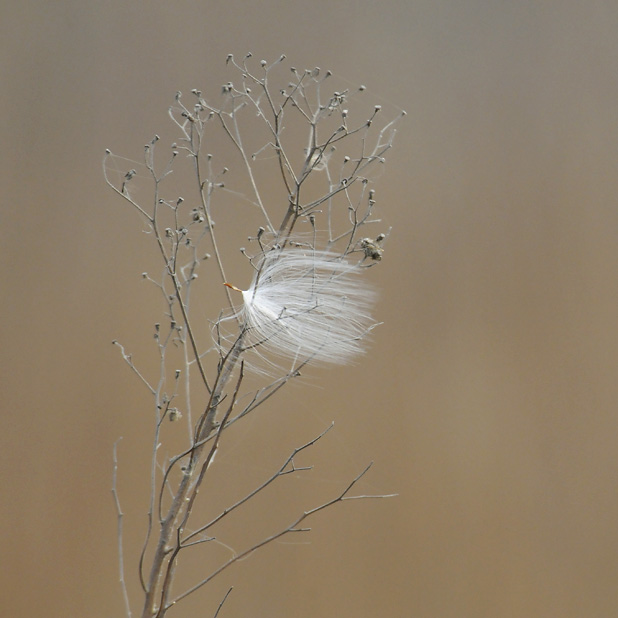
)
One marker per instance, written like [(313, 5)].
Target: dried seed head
[(372, 248)]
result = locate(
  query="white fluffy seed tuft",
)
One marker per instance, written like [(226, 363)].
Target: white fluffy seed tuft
[(305, 304)]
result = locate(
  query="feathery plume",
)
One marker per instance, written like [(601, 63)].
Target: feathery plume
[(306, 304)]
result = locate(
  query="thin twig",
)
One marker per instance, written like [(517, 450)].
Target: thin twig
[(120, 514), (129, 361), (280, 472), (227, 594), (293, 527)]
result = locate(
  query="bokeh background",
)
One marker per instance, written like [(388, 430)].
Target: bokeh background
[(488, 400)]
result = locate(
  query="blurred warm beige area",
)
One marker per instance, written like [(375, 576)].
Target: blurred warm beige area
[(488, 400)]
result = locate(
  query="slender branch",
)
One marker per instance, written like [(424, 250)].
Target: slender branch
[(122, 192), (227, 594), (236, 141), (120, 514), (166, 587), (129, 361), (187, 322), (266, 483), (293, 527), (206, 206)]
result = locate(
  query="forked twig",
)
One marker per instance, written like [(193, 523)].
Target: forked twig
[(288, 529)]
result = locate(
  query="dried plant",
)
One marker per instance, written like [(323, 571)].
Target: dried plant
[(294, 170)]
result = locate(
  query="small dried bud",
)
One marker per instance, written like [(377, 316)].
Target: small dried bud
[(372, 248), (174, 415)]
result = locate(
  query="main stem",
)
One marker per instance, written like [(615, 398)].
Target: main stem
[(176, 515)]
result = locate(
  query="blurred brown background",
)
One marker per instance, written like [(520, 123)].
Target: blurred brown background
[(488, 401)]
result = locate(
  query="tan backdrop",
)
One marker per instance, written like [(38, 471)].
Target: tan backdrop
[(488, 401)]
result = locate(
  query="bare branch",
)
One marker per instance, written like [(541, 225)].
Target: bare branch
[(120, 516), (284, 469), (293, 527), (227, 594), (308, 301)]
